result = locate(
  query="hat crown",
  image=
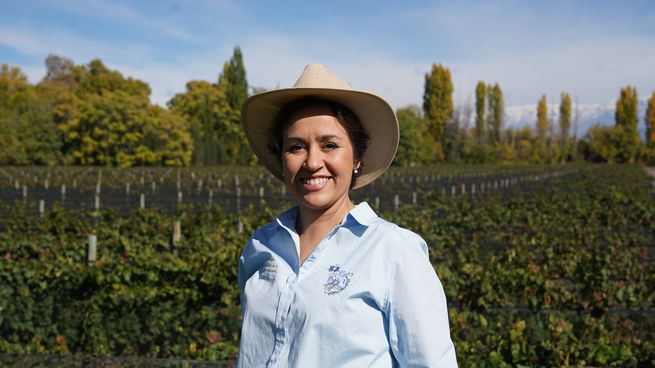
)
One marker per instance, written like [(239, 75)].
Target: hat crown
[(318, 76)]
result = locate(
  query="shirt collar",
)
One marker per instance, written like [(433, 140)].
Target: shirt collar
[(362, 214)]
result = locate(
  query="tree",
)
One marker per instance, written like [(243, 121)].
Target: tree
[(627, 118), (564, 124), (205, 108), (438, 103), (115, 129), (234, 78), (496, 112), (542, 128), (28, 134), (480, 106), (650, 129), (416, 145), (601, 143)]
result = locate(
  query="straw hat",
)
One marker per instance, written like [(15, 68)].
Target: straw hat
[(376, 116)]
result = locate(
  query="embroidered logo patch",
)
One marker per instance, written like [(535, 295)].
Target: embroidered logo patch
[(268, 271), (338, 280)]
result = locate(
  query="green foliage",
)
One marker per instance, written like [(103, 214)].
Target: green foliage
[(28, 133), (650, 129), (626, 117), (234, 76), (542, 128), (438, 103), (114, 129), (565, 124), (215, 126), (496, 112), (416, 145), (552, 272), (600, 144), (480, 108)]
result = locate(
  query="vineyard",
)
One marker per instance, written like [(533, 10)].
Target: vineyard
[(542, 265)]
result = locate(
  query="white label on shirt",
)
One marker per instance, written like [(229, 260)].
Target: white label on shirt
[(268, 271)]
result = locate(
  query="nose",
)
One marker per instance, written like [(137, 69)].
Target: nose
[(314, 160)]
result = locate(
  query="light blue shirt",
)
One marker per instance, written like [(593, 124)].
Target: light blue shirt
[(367, 296)]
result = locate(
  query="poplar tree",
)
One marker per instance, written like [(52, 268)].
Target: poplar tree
[(650, 129), (438, 103), (480, 107), (650, 123), (564, 123), (496, 112), (542, 127), (236, 83), (626, 123)]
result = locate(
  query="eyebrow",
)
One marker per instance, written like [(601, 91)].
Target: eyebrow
[(322, 138)]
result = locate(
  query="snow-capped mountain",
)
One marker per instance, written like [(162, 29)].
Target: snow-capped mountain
[(587, 115)]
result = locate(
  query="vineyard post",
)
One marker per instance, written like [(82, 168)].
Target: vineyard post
[(463, 189), (238, 199), (91, 249), (41, 208), (25, 193), (377, 203), (46, 184), (142, 201), (153, 187), (414, 199), (473, 189), (127, 190), (261, 197), (452, 191), (396, 202), (240, 226), (179, 198), (63, 193), (211, 197), (177, 235)]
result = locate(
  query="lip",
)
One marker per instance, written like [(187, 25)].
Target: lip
[(314, 183)]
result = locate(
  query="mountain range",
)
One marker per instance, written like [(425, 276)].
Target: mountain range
[(587, 115)]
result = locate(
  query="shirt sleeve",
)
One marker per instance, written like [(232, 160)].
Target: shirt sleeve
[(419, 334)]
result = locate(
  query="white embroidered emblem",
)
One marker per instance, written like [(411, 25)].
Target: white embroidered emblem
[(268, 270), (338, 280)]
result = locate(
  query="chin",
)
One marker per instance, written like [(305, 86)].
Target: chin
[(318, 202)]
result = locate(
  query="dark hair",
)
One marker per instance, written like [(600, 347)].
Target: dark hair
[(347, 118)]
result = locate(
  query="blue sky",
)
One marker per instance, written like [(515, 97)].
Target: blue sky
[(588, 48)]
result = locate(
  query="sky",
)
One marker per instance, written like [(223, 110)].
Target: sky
[(589, 49)]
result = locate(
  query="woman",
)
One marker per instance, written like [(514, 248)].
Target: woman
[(328, 283)]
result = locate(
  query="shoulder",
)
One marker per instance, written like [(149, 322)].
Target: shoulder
[(261, 236), (400, 239)]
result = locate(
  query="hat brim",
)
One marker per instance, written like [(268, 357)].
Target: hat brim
[(376, 116)]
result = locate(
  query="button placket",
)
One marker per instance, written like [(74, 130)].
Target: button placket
[(282, 313)]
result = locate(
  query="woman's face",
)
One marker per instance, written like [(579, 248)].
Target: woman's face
[(317, 159)]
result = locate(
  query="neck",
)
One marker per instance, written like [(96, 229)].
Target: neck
[(312, 221)]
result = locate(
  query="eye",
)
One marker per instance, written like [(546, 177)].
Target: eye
[(296, 147), (330, 146)]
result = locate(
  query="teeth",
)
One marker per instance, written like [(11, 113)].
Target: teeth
[(316, 181)]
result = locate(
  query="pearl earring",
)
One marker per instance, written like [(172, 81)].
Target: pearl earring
[(355, 171)]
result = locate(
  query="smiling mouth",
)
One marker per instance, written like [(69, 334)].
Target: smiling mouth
[(315, 181)]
